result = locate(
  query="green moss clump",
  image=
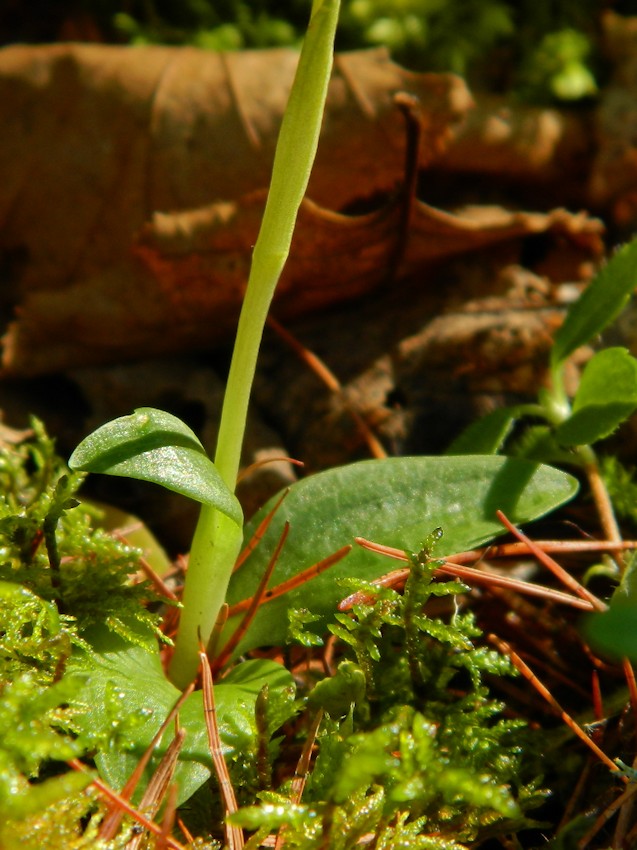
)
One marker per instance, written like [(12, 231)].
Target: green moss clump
[(59, 577)]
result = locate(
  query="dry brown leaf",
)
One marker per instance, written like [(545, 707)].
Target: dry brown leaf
[(515, 141), (125, 170), (192, 269), (96, 139)]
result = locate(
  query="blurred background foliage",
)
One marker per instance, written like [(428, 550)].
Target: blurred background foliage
[(542, 51)]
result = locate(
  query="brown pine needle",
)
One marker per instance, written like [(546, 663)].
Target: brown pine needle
[(155, 579), (123, 804), (629, 674), (255, 601), (530, 676), (325, 374), (303, 767), (294, 582), (111, 823), (159, 785), (469, 574), (217, 629), (190, 838), (168, 820), (512, 550), (559, 572), (234, 834), (602, 502), (259, 463), (606, 815), (302, 771), (258, 534)]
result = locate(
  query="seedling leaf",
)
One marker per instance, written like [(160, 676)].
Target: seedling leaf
[(152, 445), (486, 435), (614, 632), (599, 304), (397, 502), (607, 395)]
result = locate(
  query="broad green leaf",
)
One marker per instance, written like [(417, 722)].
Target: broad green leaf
[(397, 502), (152, 445), (607, 395), (128, 678), (599, 304), (486, 435)]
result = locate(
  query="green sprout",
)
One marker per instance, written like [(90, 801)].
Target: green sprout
[(565, 429)]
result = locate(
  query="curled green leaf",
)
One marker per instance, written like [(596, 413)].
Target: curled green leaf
[(152, 445)]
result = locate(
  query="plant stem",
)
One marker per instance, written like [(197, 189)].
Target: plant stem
[(295, 152), (217, 539), (215, 545)]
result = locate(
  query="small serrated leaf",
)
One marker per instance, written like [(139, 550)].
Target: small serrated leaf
[(607, 395), (152, 445), (599, 304)]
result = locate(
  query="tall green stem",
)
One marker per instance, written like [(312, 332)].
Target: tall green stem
[(218, 539)]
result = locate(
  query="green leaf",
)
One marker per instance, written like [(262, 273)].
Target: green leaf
[(152, 445), (486, 435), (599, 304), (614, 632), (397, 502), (607, 395), (127, 688), (537, 442)]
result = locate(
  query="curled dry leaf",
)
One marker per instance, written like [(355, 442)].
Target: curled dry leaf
[(97, 139), (132, 194), (334, 256)]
